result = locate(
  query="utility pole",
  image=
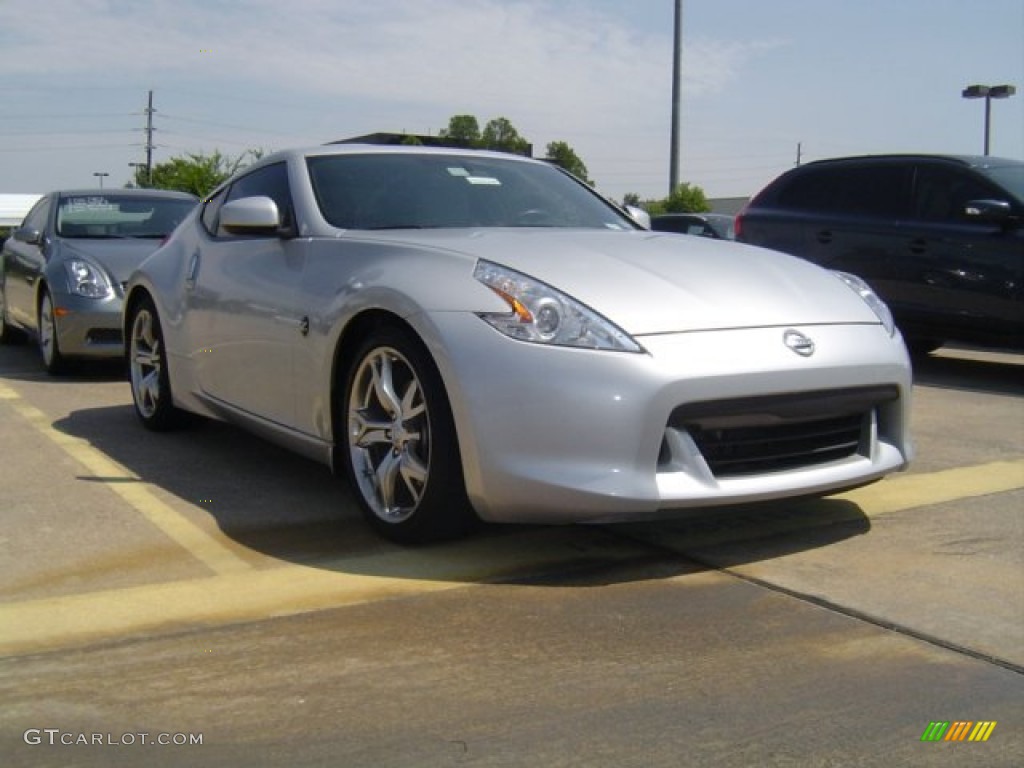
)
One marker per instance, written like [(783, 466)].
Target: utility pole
[(149, 139), (677, 66), (799, 152)]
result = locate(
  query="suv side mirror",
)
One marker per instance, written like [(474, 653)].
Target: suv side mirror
[(988, 210)]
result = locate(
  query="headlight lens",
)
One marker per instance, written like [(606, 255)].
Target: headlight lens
[(870, 298), (543, 315), (85, 279)]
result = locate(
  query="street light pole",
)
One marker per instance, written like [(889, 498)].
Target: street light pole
[(101, 175), (677, 56), (988, 92)]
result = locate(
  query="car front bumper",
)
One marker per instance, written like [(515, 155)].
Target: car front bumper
[(555, 434), (89, 328)]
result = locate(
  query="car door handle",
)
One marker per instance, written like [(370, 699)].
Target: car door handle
[(824, 236), (193, 270), (918, 245)]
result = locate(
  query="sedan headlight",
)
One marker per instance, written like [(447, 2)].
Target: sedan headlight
[(544, 315), (85, 279), (870, 298)]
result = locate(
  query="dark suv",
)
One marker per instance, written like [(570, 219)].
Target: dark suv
[(940, 238)]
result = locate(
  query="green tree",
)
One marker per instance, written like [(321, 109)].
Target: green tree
[(562, 154), (197, 173), (411, 141), (631, 198), (462, 130), (687, 198), (499, 134)]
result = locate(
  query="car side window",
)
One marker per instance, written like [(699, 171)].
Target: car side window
[(870, 190), (211, 211), (940, 194), (37, 216), (270, 181)]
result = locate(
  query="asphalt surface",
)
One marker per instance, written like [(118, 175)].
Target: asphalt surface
[(205, 585)]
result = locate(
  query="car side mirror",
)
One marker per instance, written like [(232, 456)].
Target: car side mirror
[(28, 235), (639, 215), (988, 210), (251, 216)]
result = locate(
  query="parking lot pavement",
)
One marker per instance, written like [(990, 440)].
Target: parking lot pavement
[(119, 539)]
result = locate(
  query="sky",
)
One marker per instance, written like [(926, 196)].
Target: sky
[(764, 82)]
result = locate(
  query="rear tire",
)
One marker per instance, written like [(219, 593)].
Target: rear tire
[(398, 438), (147, 369)]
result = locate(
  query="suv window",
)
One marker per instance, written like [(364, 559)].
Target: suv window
[(940, 193), (872, 190)]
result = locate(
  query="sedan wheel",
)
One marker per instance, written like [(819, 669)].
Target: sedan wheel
[(151, 389), (49, 346), (403, 458)]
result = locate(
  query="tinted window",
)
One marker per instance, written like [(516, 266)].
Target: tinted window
[(941, 193), (36, 218), (387, 191), (211, 211), (869, 190)]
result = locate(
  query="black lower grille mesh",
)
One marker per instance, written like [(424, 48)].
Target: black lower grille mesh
[(768, 434)]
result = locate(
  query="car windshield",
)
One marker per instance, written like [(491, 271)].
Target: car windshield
[(1010, 177), (112, 215), (419, 191)]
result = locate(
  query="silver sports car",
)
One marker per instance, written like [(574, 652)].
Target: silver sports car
[(62, 271), (477, 335)]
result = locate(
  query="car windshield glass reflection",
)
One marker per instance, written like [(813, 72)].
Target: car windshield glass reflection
[(116, 216), (382, 191)]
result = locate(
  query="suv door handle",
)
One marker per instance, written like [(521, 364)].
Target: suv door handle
[(824, 236), (918, 245)]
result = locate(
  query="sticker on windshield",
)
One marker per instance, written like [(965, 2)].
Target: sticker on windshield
[(76, 204), (458, 172), (488, 180)]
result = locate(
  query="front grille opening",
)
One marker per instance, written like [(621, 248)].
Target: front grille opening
[(778, 433), (103, 336)]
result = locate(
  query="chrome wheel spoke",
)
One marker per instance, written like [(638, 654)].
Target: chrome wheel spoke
[(388, 435)]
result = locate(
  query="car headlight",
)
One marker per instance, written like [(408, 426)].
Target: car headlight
[(85, 279), (870, 298), (543, 315)]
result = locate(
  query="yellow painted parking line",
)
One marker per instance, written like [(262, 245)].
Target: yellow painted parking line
[(68, 621), (896, 493), (205, 547), (899, 492)]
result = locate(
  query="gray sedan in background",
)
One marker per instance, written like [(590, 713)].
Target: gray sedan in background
[(62, 272), (477, 335)]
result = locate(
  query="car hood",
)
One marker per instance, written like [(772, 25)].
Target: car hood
[(118, 256), (647, 282)]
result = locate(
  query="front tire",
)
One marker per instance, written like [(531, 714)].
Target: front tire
[(49, 344), (401, 452), (147, 369)]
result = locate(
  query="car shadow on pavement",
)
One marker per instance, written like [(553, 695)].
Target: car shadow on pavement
[(971, 369), (292, 510)]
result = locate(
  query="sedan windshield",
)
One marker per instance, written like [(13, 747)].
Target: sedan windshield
[(1011, 178), (417, 191), (112, 215)]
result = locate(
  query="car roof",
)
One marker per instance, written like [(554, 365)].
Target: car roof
[(324, 150), (125, 192), (971, 161)]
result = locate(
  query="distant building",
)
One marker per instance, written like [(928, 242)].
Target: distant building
[(728, 205), (13, 208)]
